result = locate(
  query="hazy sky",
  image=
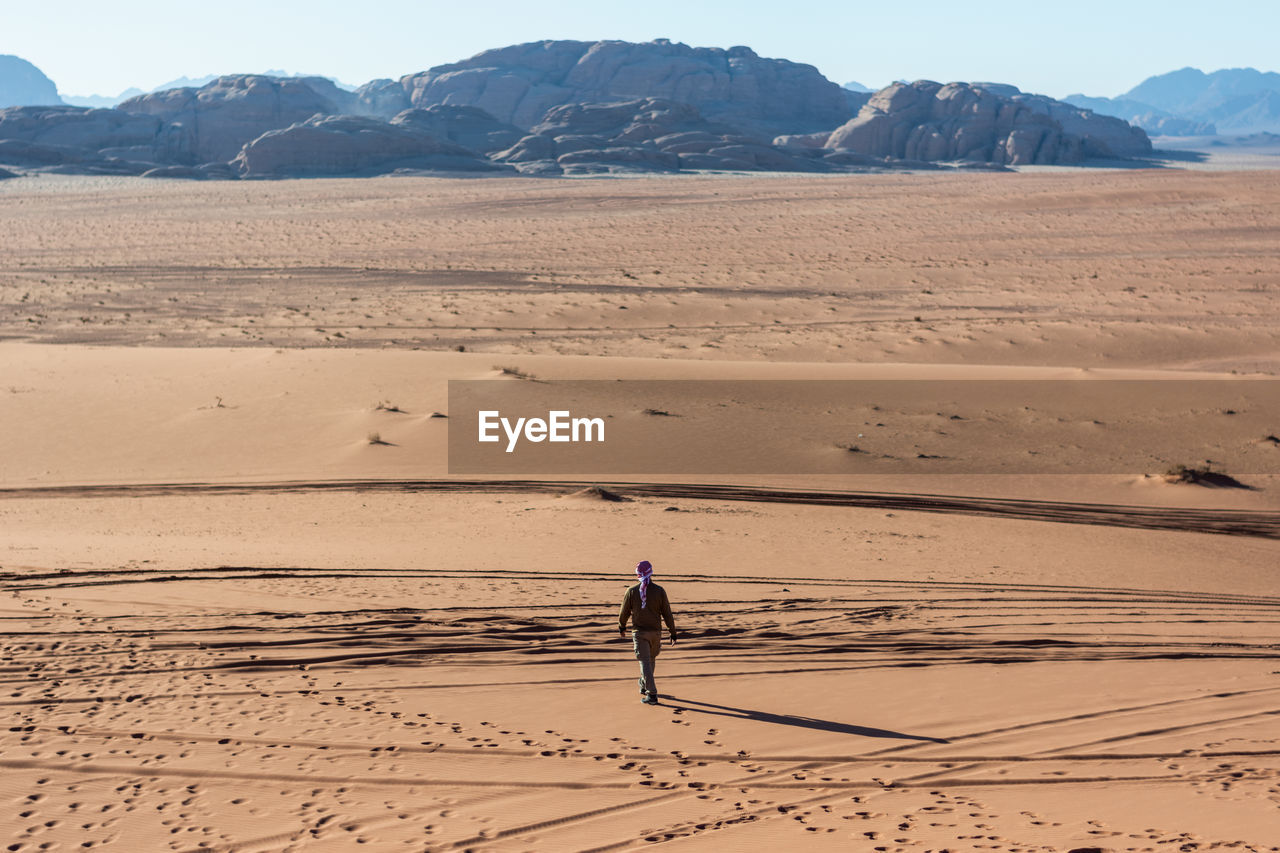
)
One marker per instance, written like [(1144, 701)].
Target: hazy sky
[(1099, 48)]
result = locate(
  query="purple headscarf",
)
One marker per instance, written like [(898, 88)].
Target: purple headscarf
[(644, 571)]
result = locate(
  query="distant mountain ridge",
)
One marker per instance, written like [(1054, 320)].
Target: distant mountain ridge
[(1191, 90), (1150, 119), (1189, 102), (22, 84), (563, 108)]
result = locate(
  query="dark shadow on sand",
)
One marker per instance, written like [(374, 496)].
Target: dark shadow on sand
[(1186, 155), (676, 702)]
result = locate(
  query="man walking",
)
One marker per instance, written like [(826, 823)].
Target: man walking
[(647, 607)]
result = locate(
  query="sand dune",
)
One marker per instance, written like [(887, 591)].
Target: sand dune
[(1105, 269), (831, 705), (233, 621)]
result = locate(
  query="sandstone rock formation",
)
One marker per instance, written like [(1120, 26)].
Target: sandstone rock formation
[(932, 122), (519, 84), (352, 145), (561, 107), (62, 136), (213, 122), (79, 127), (1101, 135), (470, 127), (856, 100), (649, 134), (382, 98), (22, 84), (18, 152)]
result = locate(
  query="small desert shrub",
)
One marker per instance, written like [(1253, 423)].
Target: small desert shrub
[(1203, 475), (1188, 473)]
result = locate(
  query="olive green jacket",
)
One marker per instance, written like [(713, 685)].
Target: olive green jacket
[(650, 617)]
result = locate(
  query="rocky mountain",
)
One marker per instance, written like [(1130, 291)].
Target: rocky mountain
[(105, 101), (645, 135), (1190, 90), (1102, 136), (216, 120), (561, 109), (22, 84), (983, 123), (519, 84), (856, 96), (1189, 102), (354, 145), (179, 83), (1246, 114), (384, 98), (63, 136), (469, 127)]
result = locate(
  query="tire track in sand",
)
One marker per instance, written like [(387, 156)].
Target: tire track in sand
[(1262, 524)]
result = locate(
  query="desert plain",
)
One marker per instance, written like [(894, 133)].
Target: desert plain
[(247, 607)]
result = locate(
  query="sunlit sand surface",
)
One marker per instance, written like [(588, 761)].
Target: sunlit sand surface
[(232, 622)]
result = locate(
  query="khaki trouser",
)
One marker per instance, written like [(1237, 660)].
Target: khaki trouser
[(647, 644)]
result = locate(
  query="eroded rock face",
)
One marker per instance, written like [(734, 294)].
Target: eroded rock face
[(352, 145), (1100, 135), (928, 121), (649, 134), (518, 84), (19, 152), (79, 127), (381, 98), (982, 123), (213, 122), (470, 127), (62, 137), (194, 132)]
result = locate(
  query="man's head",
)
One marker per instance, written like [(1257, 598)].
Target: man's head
[(644, 570)]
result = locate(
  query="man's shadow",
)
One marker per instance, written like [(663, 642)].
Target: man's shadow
[(790, 720)]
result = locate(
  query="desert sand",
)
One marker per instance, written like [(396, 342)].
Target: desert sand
[(233, 622)]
